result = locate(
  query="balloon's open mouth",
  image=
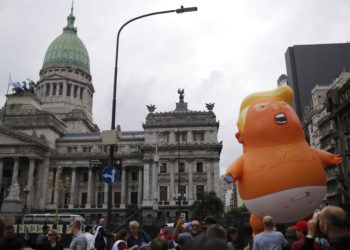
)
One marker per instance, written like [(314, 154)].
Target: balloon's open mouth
[(281, 118)]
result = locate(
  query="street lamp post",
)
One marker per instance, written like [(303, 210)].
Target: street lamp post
[(179, 180), (111, 150), (26, 191)]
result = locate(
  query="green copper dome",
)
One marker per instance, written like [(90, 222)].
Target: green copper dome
[(67, 50)]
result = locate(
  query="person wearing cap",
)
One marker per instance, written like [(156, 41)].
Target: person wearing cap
[(89, 234), (208, 221), (301, 232)]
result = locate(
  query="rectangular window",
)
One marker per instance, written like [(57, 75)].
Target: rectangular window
[(184, 136), (7, 173), (74, 149), (133, 198), (60, 90), (48, 89), (69, 87), (100, 198), (181, 167), (75, 91), (163, 167), (85, 176), (199, 167), (66, 199), (198, 135), (163, 193), (81, 93), (182, 191), (54, 89), (69, 150), (83, 198), (85, 149), (117, 198), (199, 191), (134, 176), (164, 137), (177, 136)]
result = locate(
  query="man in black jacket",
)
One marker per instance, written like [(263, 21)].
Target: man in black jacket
[(100, 235), (333, 223)]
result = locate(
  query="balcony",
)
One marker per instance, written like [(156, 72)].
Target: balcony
[(163, 203)]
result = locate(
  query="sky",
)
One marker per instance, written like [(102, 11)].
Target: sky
[(219, 54)]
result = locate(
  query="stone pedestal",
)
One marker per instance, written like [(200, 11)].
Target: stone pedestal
[(11, 206)]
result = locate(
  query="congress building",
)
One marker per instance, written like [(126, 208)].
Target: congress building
[(52, 154)]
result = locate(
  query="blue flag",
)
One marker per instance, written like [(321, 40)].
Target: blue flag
[(15, 84)]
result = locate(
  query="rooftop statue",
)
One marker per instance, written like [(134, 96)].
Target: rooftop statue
[(22, 89), (151, 108), (210, 106), (181, 93), (13, 192)]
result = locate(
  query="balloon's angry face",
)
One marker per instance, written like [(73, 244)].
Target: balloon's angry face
[(271, 121), (289, 205)]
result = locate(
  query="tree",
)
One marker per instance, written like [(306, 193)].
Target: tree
[(207, 204), (237, 216)]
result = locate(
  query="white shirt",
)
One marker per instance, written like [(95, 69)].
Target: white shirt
[(90, 239)]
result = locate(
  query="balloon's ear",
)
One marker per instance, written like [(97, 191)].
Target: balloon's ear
[(239, 137)]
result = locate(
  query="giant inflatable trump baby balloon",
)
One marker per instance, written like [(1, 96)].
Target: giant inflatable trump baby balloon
[(279, 174)]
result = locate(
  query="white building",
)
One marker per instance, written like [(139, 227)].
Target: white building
[(50, 143)]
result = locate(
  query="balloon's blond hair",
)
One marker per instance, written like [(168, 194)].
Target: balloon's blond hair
[(282, 93)]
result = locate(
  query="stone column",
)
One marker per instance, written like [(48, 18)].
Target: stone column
[(72, 188), (172, 170), (216, 187), (15, 171), (172, 137), (30, 181), (89, 189), (146, 184), (123, 189), (139, 188), (209, 182), (1, 171), (43, 176), (57, 186), (154, 180), (190, 137), (190, 179), (44, 168)]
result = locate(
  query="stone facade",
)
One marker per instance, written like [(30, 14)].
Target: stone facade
[(327, 124), (50, 144)]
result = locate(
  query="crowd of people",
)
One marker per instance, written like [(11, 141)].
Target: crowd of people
[(328, 229)]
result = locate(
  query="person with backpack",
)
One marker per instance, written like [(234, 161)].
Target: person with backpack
[(100, 242)]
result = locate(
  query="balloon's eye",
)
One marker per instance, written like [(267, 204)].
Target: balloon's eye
[(261, 106)]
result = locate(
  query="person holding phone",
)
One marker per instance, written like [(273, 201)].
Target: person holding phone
[(332, 222), (180, 236)]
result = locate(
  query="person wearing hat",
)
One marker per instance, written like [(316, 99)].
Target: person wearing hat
[(89, 234), (301, 232)]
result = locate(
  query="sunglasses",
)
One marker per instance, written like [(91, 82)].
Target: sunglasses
[(49, 234)]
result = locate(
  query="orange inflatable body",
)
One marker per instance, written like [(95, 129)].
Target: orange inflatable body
[(279, 174)]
